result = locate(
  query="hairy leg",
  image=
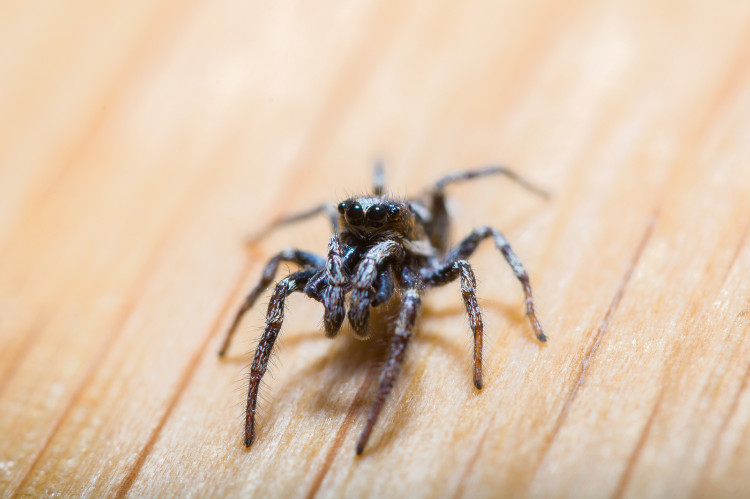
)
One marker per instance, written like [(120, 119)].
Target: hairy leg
[(367, 273), (333, 294), (466, 247), (410, 306), (448, 273), (328, 209), (488, 170), (439, 225), (274, 319), (301, 258)]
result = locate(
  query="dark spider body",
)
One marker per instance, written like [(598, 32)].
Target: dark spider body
[(380, 245)]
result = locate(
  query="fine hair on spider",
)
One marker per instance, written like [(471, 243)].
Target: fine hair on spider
[(380, 245)]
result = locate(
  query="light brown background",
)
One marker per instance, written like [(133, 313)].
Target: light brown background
[(142, 142)]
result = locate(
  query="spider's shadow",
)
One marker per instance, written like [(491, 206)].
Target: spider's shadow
[(357, 363)]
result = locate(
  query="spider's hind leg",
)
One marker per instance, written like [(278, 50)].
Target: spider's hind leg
[(438, 226)]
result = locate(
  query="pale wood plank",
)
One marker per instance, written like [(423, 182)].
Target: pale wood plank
[(191, 124)]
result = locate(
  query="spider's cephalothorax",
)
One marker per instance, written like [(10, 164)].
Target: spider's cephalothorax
[(366, 219), (379, 245)]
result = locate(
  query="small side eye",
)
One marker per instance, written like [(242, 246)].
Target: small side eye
[(376, 215), (394, 212), (342, 207), (355, 215)]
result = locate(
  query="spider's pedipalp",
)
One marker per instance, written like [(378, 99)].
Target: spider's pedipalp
[(368, 270), (384, 287), (333, 294), (316, 285), (274, 319), (302, 258)]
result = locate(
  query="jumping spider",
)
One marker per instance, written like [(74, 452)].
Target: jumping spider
[(380, 245)]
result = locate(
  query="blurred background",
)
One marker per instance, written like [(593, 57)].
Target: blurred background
[(142, 142)]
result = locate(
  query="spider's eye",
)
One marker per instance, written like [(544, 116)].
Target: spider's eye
[(342, 207), (376, 215), (355, 214), (394, 212)]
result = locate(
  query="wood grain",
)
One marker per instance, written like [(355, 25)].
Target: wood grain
[(142, 142)]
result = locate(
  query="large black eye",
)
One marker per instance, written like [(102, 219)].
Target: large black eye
[(355, 215), (376, 215), (394, 211), (342, 207)]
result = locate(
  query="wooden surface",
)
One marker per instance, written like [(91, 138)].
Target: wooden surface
[(142, 142)]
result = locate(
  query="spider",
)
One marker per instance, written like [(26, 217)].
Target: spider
[(380, 245)]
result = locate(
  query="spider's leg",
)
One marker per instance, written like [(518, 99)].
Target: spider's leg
[(368, 271), (410, 306), (439, 225), (333, 294), (378, 179), (448, 273), (301, 258), (469, 244), (328, 209), (274, 318), (488, 170)]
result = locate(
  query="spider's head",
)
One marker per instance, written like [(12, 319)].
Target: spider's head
[(375, 217)]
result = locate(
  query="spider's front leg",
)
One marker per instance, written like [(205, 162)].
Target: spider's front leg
[(410, 306), (301, 258), (274, 319), (372, 270)]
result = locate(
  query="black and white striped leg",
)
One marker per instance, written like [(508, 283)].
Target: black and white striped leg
[(448, 273), (301, 258), (274, 319), (333, 294), (410, 307), (466, 247)]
